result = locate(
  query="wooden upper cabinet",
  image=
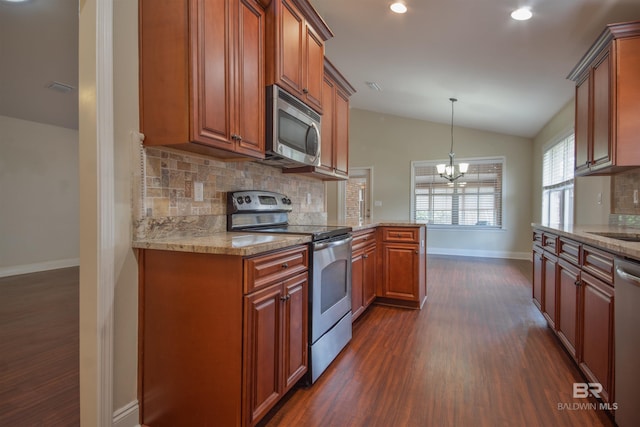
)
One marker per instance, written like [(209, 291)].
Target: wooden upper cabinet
[(202, 76), (608, 102), (295, 48), (334, 135)]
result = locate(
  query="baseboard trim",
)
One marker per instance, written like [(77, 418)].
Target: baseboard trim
[(127, 416), (37, 267), (480, 253)]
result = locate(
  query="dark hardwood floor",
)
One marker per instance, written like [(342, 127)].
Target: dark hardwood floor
[(39, 326), (478, 354)]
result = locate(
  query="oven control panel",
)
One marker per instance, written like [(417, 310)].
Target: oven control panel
[(257, 201)]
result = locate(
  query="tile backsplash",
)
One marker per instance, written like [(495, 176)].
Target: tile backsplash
[(622, 186), (167, 190)]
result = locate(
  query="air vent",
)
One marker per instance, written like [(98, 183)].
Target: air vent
[(60, 87), (373, 86)]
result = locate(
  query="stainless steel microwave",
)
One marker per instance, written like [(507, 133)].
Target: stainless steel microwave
[(293, 131)]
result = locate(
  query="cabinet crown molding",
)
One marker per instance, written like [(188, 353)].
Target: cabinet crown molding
[(611, 32)]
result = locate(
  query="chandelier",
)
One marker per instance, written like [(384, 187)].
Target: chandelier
[(449, 171)]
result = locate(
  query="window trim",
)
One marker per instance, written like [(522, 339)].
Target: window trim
[(470, 160)]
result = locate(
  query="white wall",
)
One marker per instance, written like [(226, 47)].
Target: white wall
[(39, 206), (390, 143), (589, 208)]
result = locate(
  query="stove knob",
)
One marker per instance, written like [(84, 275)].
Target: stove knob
[(288, 201), (284, 200), (240, 200), (247, 199)]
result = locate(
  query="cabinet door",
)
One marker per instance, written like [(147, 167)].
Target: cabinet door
[(596, 359), (537, 277), (582, 125), (549, 289), (357, 280), (313, 69), (295, 329), (601, 116), (400, 271), (263, 313), (568, 295), (250, 91), (369, 275), (212, 59), (292, 31), (341, 133), (326, 137)]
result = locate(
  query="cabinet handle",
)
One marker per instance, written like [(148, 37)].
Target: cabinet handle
[(416, 251), (578, 283), (234, 136), (365, 256), (285, 265), (284, 298), (305, 91)]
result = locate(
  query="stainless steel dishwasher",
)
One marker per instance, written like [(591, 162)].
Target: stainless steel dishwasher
[(627, 342)]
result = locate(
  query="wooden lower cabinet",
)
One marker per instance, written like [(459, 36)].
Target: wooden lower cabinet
[(596, 359), (537, 276), (363, 272), (222, 338), (275, 344), (568, 305), (583, 301), (403, 265), (549, 263)]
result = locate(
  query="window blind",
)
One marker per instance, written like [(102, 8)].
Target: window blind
[(557, 182), (474, 200)]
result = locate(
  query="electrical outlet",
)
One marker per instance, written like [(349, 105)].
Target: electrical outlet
[(198, 191), (635, 197)]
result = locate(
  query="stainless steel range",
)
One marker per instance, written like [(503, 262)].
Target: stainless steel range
[(330, 269)]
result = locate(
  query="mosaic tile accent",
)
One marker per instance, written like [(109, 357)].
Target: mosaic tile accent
[(168, 191), (622, 186)]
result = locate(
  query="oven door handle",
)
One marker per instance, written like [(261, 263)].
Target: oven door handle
[(324, 245)]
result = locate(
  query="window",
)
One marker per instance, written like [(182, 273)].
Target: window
[(475, 200), (557, 182)]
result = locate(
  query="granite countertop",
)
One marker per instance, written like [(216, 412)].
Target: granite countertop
[(244, 243), (224, 243), (358, 226), (586, 234)]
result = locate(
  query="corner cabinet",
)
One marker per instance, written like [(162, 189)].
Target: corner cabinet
[(583, 300), (221, 338), (607, 102), (364, 262), (334, 135), (403, 266), (202, 76), (295, 49)]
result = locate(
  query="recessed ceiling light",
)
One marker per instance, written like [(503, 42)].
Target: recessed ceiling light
[(398, 7), (522, 14)]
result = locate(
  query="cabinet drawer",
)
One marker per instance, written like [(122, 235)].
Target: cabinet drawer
[(598, 263), (264, 270), (550, 243), (569, 250), (364, 238), (401, 234), (537, 238)]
